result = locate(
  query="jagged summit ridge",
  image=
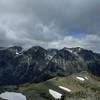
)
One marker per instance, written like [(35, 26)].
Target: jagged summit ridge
[(38, 64)]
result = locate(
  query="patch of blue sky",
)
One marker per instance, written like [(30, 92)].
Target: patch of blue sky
[(77, 33)]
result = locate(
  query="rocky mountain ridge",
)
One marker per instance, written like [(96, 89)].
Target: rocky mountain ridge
[(38, 64)]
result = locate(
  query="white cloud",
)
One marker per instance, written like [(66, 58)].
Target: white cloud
[(88, 42), (47, 23)]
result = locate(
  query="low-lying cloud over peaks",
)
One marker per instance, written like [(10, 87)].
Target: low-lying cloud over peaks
[(50, 23)]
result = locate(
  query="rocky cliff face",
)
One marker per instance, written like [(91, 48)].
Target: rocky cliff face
[(37, 64)]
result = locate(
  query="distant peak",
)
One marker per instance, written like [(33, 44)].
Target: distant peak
[(36, 47), (15, 49)]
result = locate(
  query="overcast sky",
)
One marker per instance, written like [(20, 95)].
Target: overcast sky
[(50, 23)]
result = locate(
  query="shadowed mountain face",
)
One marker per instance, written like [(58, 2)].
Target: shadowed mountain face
[(37, 64)]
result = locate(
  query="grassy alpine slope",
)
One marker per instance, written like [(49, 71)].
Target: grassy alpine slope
[(89, 89)]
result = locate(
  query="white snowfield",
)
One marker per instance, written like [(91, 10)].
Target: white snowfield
[(55, 94), (12, 96), (81, 78), (64, 88)]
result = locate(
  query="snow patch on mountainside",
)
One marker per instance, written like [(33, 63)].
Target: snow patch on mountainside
[(71, 51), (55, 94), (12, 96), (86, 78), (81, 78), (17, 53), (64, 88), (68, 49)]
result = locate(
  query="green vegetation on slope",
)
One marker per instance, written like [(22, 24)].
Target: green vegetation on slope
[(80, 90)]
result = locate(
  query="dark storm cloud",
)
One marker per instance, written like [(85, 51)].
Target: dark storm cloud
[(47, 22)]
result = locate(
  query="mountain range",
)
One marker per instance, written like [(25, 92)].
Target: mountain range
[(36, 64)]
